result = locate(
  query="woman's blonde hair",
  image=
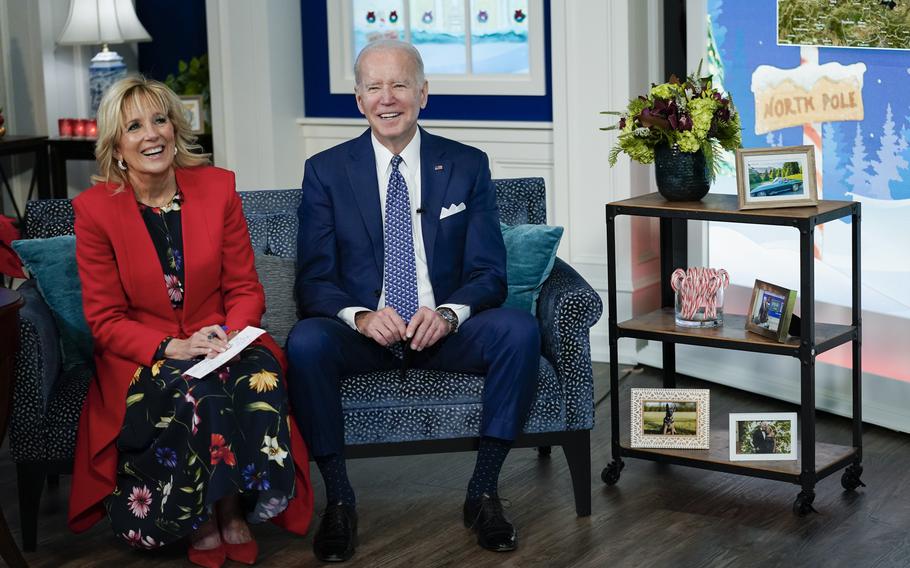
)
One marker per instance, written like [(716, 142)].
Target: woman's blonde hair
[(142, 92)]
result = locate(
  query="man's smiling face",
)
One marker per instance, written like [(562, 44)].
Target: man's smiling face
[(390, 97)]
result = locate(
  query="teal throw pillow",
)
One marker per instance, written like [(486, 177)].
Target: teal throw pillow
[(530, 254), (52, 262)]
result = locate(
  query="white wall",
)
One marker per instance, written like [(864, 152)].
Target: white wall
[(256, 75), (603, 52)]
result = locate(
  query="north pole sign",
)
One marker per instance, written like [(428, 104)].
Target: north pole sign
[(809, 93)]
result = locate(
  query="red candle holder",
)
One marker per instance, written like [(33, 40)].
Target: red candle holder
[(79, 127), (65, 126), (91, 128)]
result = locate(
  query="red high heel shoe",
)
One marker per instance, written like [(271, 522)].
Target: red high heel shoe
[(245, 552), (210, 558)]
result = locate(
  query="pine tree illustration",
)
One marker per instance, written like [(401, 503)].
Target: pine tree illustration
[(835, 185), (900, 188), (890, 160), (858, 179)]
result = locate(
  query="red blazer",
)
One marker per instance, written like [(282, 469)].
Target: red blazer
[(129, 313)]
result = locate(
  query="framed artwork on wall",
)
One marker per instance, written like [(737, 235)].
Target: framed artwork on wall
[(192, 109)]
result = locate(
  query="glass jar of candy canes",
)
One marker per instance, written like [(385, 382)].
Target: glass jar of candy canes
[(699, 296)]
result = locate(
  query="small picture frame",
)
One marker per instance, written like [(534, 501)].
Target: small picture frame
[(671, 418), (776, 177), (760, 436), (771, 310), (192, 109)]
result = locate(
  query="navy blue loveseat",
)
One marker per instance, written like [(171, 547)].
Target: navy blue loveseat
[(427, 411)]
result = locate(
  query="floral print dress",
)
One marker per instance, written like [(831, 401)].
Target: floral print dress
[(185, 443)]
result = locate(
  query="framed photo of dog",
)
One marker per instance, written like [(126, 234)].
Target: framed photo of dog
[(671, 418), (776, 177), (763, 436), (771, 310)]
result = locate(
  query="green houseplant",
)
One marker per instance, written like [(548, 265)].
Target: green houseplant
[(192, 78), (682, 126)]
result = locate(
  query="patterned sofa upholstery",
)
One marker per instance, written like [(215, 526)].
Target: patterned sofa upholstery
[(427, 411)]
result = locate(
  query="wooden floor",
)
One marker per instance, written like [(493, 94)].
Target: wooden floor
[(657, 515)]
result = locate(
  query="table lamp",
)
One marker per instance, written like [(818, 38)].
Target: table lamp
[(94, 22)]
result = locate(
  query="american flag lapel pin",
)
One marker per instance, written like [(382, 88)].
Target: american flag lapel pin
[(437, 168)]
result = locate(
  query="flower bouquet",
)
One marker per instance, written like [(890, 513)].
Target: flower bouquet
[(690, 115)]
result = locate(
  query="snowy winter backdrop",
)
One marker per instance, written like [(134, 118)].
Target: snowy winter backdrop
[(867, 161)]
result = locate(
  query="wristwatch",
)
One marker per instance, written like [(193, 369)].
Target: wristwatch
[(450, 316)]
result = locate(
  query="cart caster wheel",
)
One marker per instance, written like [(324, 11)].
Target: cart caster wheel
[(850, 480), (610, 474), (544, 451), (803, 504)]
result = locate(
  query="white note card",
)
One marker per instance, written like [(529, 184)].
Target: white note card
[(237, 344)]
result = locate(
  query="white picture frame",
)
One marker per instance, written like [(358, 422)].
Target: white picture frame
[(746, 427), (671, 418)]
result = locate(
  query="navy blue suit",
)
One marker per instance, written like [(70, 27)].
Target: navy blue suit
[(340, 265)]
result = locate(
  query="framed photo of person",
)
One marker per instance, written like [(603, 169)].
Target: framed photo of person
[(758, 436), (192, 109), (671, 418), (770, 310), (776, 177)]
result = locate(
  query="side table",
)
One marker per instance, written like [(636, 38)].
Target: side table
[(10, 302), (37, 145)]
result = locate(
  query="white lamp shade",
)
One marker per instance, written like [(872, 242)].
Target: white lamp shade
[(94, 22)]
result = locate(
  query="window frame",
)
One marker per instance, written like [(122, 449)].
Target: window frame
[(341, 60)]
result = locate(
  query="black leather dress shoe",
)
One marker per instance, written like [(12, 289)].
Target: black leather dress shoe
[(486, 517), (336, 538)]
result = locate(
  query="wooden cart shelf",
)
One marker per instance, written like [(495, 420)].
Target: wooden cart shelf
[(828, 458), (810, 340), (660, 325), (716, 207)]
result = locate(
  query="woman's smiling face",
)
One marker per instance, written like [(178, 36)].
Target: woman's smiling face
[(147, 140)]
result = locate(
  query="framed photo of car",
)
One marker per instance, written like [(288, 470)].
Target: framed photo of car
[(776, 177), (670, 418), (763, 436), (771, 310)]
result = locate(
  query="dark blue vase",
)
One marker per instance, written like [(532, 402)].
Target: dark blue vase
[(681, 176)]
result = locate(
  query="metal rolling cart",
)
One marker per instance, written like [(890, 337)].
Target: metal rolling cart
[(817, 460)]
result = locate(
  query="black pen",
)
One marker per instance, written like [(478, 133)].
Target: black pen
[(213, 335)]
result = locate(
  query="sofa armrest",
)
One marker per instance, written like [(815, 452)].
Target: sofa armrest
[(567, 308), (38, 362)]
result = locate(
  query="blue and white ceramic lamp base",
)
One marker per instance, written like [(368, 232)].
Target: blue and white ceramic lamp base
[(107, 68)]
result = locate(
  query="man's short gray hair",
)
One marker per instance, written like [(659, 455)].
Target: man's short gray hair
[(390, 45)]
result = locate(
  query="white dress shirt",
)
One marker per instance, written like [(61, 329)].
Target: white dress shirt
[(410, 169)]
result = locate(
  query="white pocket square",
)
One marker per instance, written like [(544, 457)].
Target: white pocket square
[(451, 210)]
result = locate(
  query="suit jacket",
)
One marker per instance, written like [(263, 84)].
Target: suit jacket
[(127, 308), (340, 239)]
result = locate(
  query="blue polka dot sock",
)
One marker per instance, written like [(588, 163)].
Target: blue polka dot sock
[(335, 475), (490, 456)]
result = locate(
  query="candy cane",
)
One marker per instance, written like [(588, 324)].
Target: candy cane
[(697, 288)]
